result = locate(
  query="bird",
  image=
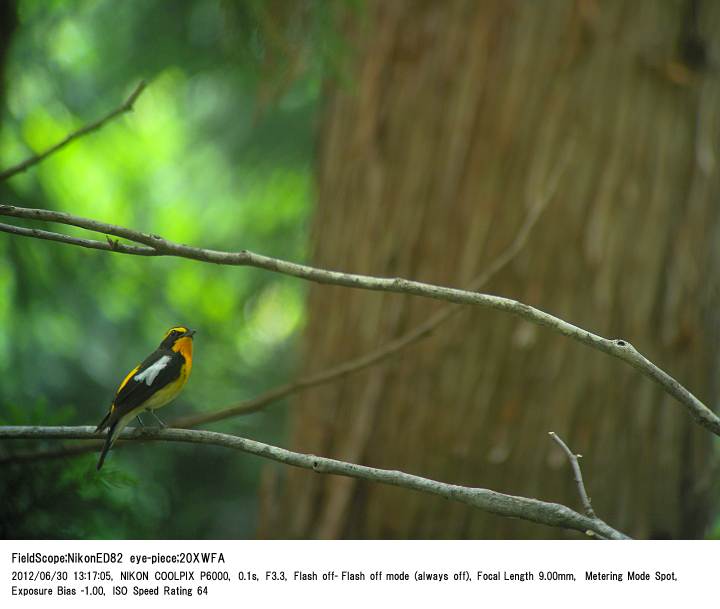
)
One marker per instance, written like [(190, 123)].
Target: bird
[(154, 382)]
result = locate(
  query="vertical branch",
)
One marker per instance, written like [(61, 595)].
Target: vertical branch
[(574, 463)]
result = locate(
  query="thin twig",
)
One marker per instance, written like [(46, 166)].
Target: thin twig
[(574, 463), (617, 348), (127, 106), (109, 245), (551, 514)]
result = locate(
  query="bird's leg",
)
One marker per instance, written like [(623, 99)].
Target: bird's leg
[(157, 418), (140, 421)]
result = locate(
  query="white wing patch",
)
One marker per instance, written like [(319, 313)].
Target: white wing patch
[(150, 373)]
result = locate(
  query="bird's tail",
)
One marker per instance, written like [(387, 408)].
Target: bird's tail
[(108, 443), (114, 427)]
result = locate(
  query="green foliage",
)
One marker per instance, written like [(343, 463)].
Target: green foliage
[(62, 498), (217, 153)]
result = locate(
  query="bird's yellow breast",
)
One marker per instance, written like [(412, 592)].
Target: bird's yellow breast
[(169, 392)]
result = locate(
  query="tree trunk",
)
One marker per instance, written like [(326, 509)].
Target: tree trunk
[(458, 114)]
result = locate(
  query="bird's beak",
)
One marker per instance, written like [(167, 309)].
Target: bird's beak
[(190, 333)]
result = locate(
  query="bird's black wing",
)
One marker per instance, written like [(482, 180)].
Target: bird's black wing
[(157, 370)]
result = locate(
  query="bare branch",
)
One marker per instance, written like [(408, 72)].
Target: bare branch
[(617, 348), (574, 463), (551, 514), (89, 128), (110, 245)]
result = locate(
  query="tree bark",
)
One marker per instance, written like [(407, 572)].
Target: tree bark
[(457, 114)]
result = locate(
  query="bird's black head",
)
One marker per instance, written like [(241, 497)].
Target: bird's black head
[(175, 334)]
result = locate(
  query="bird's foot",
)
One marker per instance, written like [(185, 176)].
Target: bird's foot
[(157, 418)]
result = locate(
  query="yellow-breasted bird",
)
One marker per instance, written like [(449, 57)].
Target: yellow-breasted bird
[(154, 382)]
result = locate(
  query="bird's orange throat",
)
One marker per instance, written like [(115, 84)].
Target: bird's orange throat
[(184, 346)]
